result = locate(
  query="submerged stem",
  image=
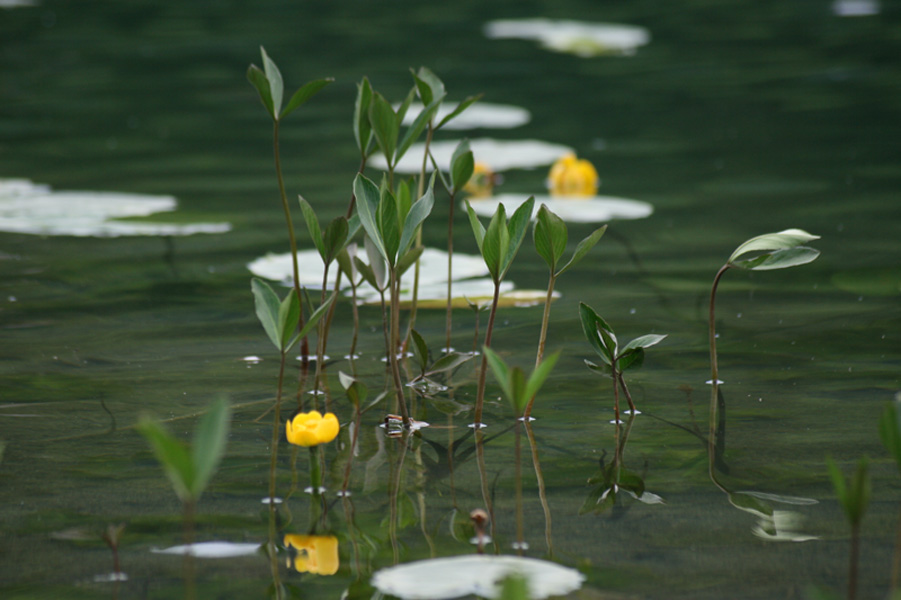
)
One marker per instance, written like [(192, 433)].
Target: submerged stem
[(714, 371), (483, 369), (542, 338), (450, 272), (394, 344)]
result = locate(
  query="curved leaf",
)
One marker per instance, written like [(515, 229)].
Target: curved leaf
[(267, 304), (788, 238), (309, 216), (462, 166), (466, 103), (582, 248), (362, 126), (478, 230), (418, 213), (592, 326), (256, 77), (415, 130), (385, 126), (779, 259), (517, 228), (288, 318), (276, 85), (368, 196), (645, 341), (550, 237), (172, 454), (307, 91), (208, 445)]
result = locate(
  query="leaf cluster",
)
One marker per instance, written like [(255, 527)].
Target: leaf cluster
[(551, 236), (603, 340), (775, 251), (280, 317), (517, 387), (271, 88), (500, 241), (854, 494)]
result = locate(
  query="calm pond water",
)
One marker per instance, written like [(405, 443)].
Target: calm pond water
[(736, 119)]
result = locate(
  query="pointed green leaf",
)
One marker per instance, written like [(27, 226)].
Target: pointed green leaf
[(172, 454), (405, 106), (356, 391), (496, 242), (362, 126), (644, 341), (367, 195), (449, 362), (309, 216), (630, 360), (276, 85), (408, 260), (377, 264), (550, 237), (478, 229), (788, 238), (307, 91), (385, 126), (256, 77), (462, 166), (389, 225), (267, 304), (418, 213), (890, 431), (500, 370), (288, 318), (428, 85), (538, 377), (334, 238), (519, 225), (208, 446), (582, 249), (459, 109), (779, 259), (593, 326)]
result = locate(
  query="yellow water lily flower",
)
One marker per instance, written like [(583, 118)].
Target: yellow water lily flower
[(316, 554), (570, 176), (312, 428), (481, 184)]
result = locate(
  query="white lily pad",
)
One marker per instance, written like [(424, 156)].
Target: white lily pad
[(499, 155), (593, 209), (479, 115), (574, 37), (36, 209), (856, 8), (212, 549), (479, 575), (432, 268)]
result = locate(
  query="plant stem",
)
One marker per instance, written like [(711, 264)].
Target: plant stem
[(520, 535), (615, 396), (542, 493), (483, 370), (542, 338), (305, 349), (393, 346), (321, 327), (853, 560), (450, 272), (276, 427), (714, 371), (188, 565), (420, 190)]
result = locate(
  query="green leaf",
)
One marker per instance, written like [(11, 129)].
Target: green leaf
[(890, 431), (449, 362), (362, 126), (335, 238), (538, 377), (550, 237), (645, 341), (501, 372), (788, 238), (779, 259), (307, 91), (517, 228), (854, 495), (288, 318), (478, 229), (267, 304), (276, 85), (256, 77), (208, 446), (630, 360), (408, 260), (459, 109), (428, 85), (309, 215), (356, 391), (582, 249), (418, 213), (593, 326), (389, 224), (368, 201), (420, 350), (496, 242), (462, 166), (172, 455), (385, 126), (316, 317)]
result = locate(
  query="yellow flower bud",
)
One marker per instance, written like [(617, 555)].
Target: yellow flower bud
[(316, 554), (312, 428), (570, 176), (481, 184)]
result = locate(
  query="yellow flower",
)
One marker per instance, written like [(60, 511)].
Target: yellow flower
[(312, 428), (571, 176), (315, 553), (481, 184)]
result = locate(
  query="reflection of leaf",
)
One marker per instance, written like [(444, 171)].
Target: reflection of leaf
[(750, 504)]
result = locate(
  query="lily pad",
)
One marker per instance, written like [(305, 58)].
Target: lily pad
[(444, 578), (474, 291), (499, 155), (479, 115), (212, 550), (594, 209), (433, 269), (36, 209), (574, 37)]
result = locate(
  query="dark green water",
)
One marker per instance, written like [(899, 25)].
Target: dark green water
[(739, 118)]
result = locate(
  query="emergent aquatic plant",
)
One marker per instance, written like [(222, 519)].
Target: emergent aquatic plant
[(498, 244), (550, 235), (617, 359), (773, 251), (854, 497), (271, 88), (890, 434)]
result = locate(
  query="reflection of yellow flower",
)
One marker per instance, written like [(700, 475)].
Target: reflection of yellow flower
[(571, 176), (312, 428), (315, 553), (481, 184)]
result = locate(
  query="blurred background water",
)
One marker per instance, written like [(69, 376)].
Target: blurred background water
[(737, 118)]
